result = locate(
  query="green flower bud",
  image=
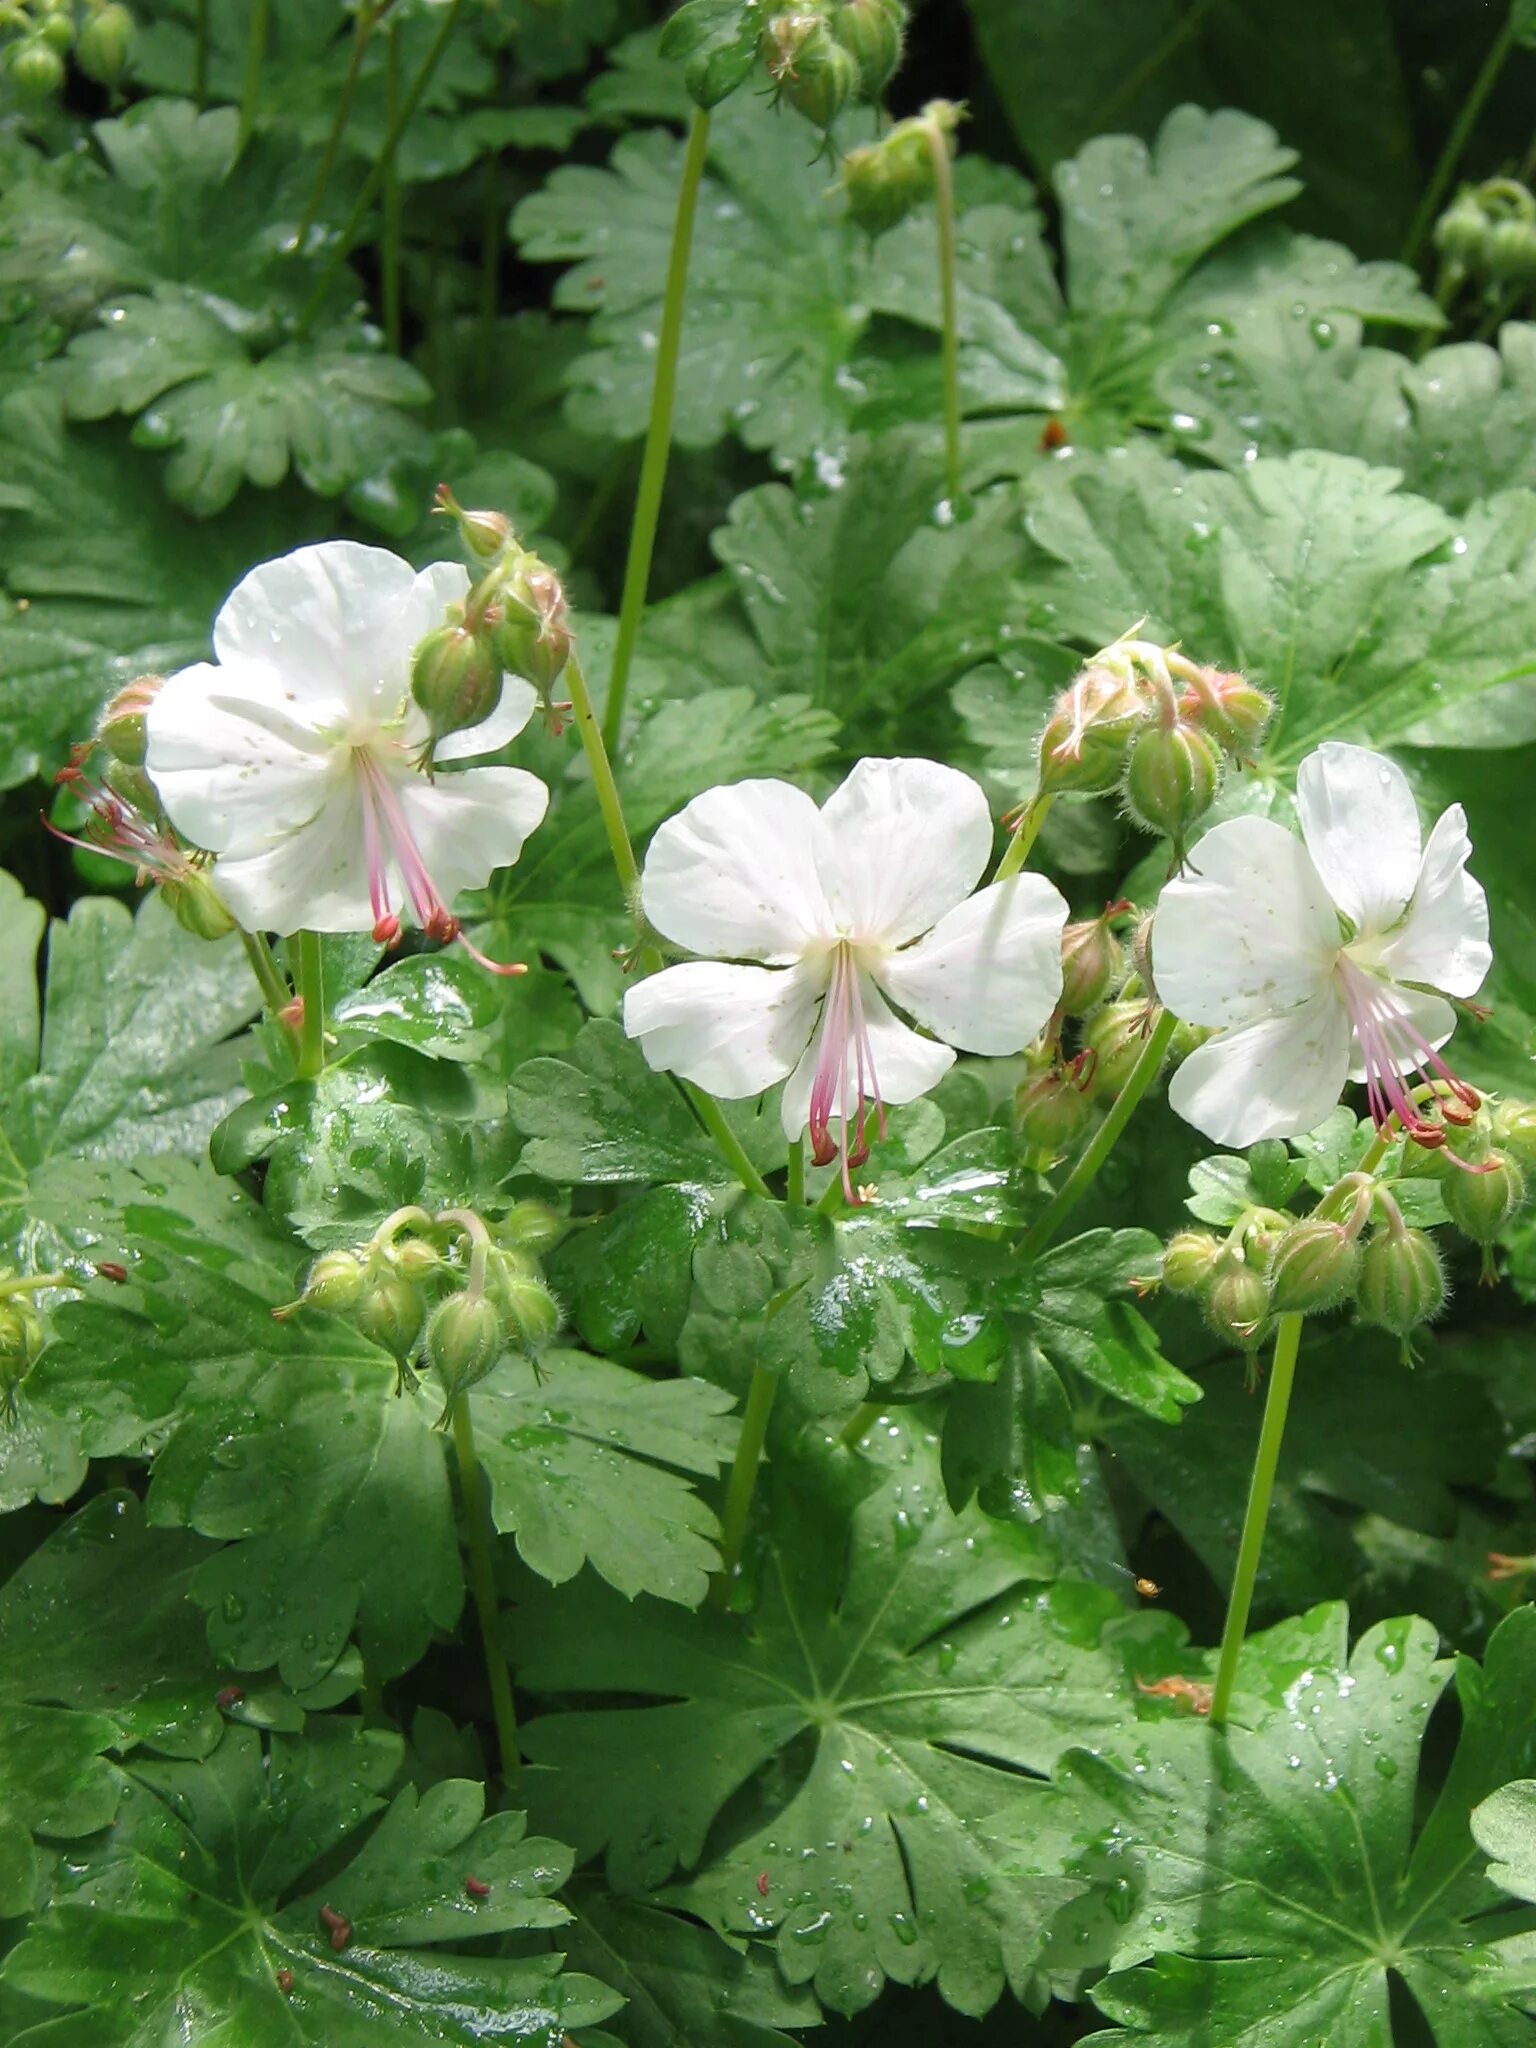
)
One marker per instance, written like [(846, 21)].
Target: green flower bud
[(1189, 1260), (1514, 1126), (871, 31), (390, 1314), (1171, 774), (197, 906), (531, 634), (1116, 1036), (105, 40), (1232, 711), (464, 1340), (882, 185), (532, 1226), (335, 1282), (455, 679), (120, 727), (1509, 252), (1050, 1113), (1236, 1301), (1083, 745), (35, 68), (810, 67), (1092, 962), (532, 1313), (21, 1339), (57, 29), (1401, 1281), (1460, 229), (133, 786), (1482, 1202), (415, 1259), (484, 534), (1312, 1267)]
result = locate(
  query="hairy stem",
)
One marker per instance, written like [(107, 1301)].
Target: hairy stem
[(1456, 142), (274, 990), (1025, 833), (482, 1585), (375, 177), (743, 1480), (859, 1423), (255, 58), (944, 198), (1261, 1487), (658, 433), (311, 980), (1103, 1142)]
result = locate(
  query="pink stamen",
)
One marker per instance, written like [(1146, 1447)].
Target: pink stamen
[(844, 1031), (119, 832), (1392, 1049), (384, 820)]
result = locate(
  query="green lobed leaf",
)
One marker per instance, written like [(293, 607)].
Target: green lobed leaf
[(603, 1115)]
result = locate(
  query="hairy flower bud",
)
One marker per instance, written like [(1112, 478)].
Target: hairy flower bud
[(335, 1282), (1401, 1281), (1509, 252), (464, 1340), (1236, 1301), (34, 67), (1171, 774), (1514, 1127), (390, 1314), (455, 679), (1050, 1113), (415, 1259), (871, 31), (1460, 229), (21, 1340), (1189, 1259), (885, 180), (531, 635), (1481, 1203), (197, 905), (484, 534), (1229, 709), (133, 785), (120, 727), (533, 1315), (1312, 1267), (104, 42), (810, 68), (1115, 1035), (1092, 961), (1083, 745), (532, 1226)]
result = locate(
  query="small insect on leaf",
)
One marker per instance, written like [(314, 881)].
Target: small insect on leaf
[(1187, 1693), (1148, 1588), (1053, 435), (477, 1887), (337, 1925), (285, 1982), (228, 1696), (109, 1269), (762, 1884)]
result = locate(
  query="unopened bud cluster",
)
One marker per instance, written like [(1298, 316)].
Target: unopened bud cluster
[(512, 622), (21, 1340), (1159, 728), (883, 181), (448, 1294), (1355, 1249), (825, 55), (1087, 1051), (36, 37), (1487, 236)]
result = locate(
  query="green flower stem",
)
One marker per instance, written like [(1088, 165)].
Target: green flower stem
[(312, 1025), (1025, 833), (1456, 142), (859, 1423), (794, 1173), (491, 231), (1261, 1487), (390, 198), (376, 175), (944, 198), (658, 433), (482, 1583), (255, 58), (274, 990), (368, 18), (647, 959), (200, 54), (1086, 1171), (34, 1283), (743, 1480)]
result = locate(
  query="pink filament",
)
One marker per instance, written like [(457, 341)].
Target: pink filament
[(385, 823), (844, 1031), (1391, 1048), (119, 832)]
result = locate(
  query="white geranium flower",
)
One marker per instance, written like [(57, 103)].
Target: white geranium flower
[(866, 898), (1318, 962), (294, 755)]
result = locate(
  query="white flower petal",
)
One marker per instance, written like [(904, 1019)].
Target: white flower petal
[(1273, 1079), (898, 844), (733, 1030), (233, 762), (1428, 1018), (1361, 826), (467, 825), (988, 975), (734, 873), (314, 878), (1444, 938), (328, 620), (901, 1066), (1247, 932), (512, 713)]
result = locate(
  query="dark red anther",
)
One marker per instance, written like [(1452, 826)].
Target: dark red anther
[(477, 1887), (229, 1696), (762, 1884), (285, 1982), (109, 1269), (337, 1925), (386, 932)]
